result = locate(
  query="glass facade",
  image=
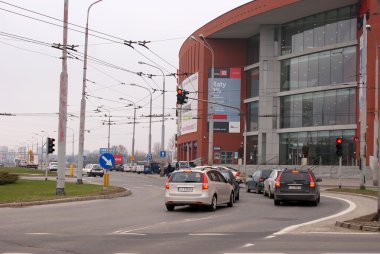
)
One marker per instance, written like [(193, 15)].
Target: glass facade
[(318, 147), (320, 69), (319, 30), (253, 83), (332, 107), (252, 150), (253, 116), (253, 49)]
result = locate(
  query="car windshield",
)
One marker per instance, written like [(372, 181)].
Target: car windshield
[(266, 172), (88, 166), (186, 177), (53, 163), (225, 174)]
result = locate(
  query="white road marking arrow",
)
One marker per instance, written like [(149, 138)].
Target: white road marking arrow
[(108, 162)]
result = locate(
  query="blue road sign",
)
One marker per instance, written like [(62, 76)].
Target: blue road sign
[(106, 160), (149, 157), (162, 154), (105, 150)]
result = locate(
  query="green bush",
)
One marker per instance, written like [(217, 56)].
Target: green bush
[(6, 178)]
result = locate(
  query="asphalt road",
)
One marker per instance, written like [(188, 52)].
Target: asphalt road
[(140, 224)]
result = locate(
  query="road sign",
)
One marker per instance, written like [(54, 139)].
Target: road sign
[(118, 159), (107, 161), (162, 154), (132, 158), (149, 157), (105, 150)]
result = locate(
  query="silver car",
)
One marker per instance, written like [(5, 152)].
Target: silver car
[(269, 183), (201, 186)]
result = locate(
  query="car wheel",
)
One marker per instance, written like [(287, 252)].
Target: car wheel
[(88, 174), (213, 203), (231, 203), (101, 175), (170, 208), (248, 189), (270, 194), (264, 192), (257, 189), (277, 202)]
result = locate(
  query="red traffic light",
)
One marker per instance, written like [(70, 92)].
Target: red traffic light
[(179, 91), (339, 141)]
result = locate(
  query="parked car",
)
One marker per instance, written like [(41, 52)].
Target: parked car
[(183, 164), (53, 166), (152, 168), (139, 167), (239, 176), (198, 187), (23, 164), (117, 167), (228, 174), (93, 170), (256, 180), (297, 185), (270, 182)]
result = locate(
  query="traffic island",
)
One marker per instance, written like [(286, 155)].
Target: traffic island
[(365, 223)]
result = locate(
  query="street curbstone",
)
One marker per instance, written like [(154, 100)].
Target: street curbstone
[(371, 228)]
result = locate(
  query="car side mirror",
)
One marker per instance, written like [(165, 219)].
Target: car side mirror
[(319, 179)]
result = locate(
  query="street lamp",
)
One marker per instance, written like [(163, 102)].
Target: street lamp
[(163, 111), (83, 102), (150, 117), (134, 124), (42, 147), (211, 99), (109, 125)]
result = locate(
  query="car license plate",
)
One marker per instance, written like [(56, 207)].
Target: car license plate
[(185, 189), (294, 187)]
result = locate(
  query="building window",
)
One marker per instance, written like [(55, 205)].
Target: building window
[(322, 29), (252, 150), (333, 107), (253, 116), (253, 49), (226, 157), (321, 69), (253, 83), (318, 147)]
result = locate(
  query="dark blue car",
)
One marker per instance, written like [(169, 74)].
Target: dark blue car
[(152, 168)]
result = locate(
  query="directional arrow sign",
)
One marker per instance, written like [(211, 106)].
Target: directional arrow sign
[(106, 160)]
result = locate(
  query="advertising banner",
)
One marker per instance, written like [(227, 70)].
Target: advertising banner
[(189, 110), (226, 88)]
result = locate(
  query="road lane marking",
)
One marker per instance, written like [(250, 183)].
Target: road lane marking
[(207, 234), (340, 233), (127, 233), (270, 236), (38, 233), (350, 208), (248, 245)]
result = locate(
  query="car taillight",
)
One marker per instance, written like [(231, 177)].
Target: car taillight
[(205, 182), (278, 184), (312, 183), (261, 179), (167, 186), (238, 173)]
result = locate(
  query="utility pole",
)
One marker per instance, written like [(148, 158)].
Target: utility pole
[(60, 190)]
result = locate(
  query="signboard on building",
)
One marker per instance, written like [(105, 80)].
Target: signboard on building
[(189, 112), (226, 88), (118, 159)]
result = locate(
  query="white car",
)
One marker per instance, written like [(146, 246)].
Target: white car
[(270, 182), (203, 186), (93, 170), (53, 166)]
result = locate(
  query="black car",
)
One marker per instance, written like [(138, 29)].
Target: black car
[(117, 167), (228, 174), (297, 185), (256, 180)]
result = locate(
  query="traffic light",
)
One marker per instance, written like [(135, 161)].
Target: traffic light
[(50, 145), (184, 96), (339, 143), (179, 96)]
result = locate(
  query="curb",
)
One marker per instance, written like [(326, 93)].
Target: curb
[(125, 193), (361, 226)]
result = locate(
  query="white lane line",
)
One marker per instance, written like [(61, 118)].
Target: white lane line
[(270, 236), (127, 233), (340, 233), (198, 219), (254, 253), (248, 245), (207, 234), (38, 233), (16, 253), (351, 207), (352, 253)]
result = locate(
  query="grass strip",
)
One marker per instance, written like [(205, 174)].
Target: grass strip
[(37, 190), (26, 171)]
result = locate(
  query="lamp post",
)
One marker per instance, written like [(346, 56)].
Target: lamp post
[(83, 102), (109, 125), (211, 99), (150, 117), (42, 148), (72, 149), (163, 113), (134, 125)]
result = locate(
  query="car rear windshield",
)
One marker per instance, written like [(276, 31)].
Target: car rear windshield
[(186, 177), (295, 176), (266, 173)]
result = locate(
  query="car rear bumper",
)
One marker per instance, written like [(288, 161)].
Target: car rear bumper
[(202, 200), (296, 196)]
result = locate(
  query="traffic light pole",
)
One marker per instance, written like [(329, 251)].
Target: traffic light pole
[(340, 175)]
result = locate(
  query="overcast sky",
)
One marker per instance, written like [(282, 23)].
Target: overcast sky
[(30, 66)]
